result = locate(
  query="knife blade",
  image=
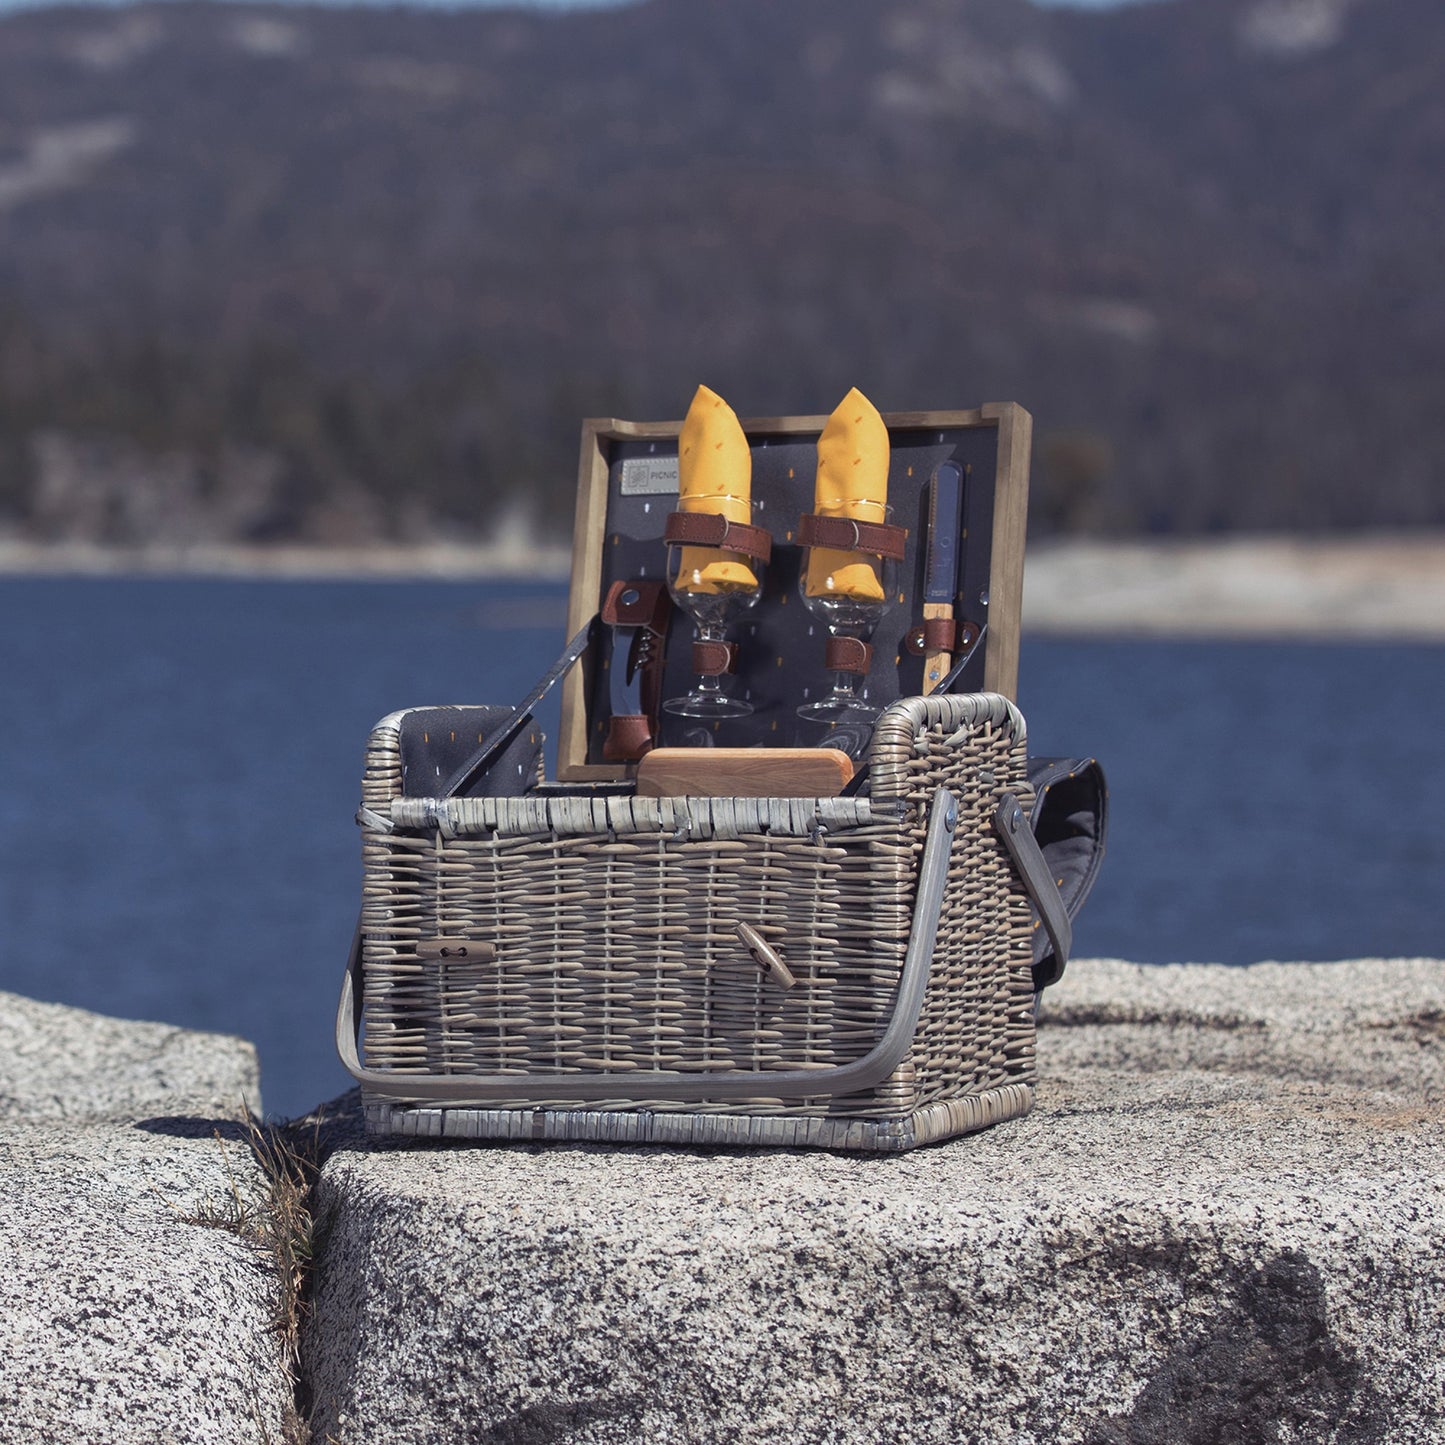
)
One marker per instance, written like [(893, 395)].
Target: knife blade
[(940, 567)]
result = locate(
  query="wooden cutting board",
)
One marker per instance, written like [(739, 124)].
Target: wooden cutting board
[(743, 773)]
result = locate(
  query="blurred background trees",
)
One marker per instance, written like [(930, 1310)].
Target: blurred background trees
[(276, 273)]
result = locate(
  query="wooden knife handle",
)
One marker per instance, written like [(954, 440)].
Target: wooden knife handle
[(743, 772), (936, 664)]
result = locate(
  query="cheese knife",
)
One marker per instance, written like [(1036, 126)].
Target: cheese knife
[(940, 568)]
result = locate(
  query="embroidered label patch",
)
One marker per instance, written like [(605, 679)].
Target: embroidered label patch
[(649, 476)]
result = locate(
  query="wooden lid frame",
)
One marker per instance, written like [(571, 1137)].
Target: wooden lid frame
[(1006, 424)]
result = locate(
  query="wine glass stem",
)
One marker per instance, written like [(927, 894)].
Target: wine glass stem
[(710, 684), (845, 687)]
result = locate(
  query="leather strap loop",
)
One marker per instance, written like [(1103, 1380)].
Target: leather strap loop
[(933, 634), (707, 529), (843, 534), (628, 738), (637, 603), (848, 654), (713, 659)]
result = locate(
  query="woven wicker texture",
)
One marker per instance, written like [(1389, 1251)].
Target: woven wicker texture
[(643, 1126), (604, 937)]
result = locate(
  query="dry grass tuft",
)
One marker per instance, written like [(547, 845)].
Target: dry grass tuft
[(274, 1215)]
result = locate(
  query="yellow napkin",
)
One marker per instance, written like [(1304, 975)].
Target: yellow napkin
[(715, 474), (852, 482)]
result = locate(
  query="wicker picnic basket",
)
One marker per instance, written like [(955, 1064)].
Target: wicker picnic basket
[(844, 972)]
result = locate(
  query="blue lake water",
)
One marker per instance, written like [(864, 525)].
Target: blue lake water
[(182, 763)]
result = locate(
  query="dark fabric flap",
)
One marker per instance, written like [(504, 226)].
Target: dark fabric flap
[(1070, 821), (437, 741)]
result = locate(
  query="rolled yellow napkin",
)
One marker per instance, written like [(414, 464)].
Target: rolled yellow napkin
[(852, 482), (715, 474)]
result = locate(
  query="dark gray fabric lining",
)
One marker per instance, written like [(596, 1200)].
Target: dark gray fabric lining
[(437, 741), (1070, 821)]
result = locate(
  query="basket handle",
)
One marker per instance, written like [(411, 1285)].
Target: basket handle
[(1018, 837), (854, 1077)]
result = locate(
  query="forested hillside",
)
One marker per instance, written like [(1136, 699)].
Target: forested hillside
[(329, 274)]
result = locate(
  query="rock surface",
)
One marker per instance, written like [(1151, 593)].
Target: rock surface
[(1222, 1222), (121, 1319), (60, 1063)]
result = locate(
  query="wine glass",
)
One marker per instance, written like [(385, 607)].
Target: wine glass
[(850, 591), (715, 603)]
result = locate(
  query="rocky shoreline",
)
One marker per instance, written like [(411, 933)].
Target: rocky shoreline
[(1370, 587), (1356, 589), (1220, 1222)]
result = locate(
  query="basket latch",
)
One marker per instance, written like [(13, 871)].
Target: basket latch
[(456, 950), (767, 956)]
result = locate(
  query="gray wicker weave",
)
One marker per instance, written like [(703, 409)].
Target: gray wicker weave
[(687, 970)]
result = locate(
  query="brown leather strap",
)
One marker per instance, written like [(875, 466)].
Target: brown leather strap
[(637, 609), (628, 738), (843, 534), (713, 659), (933, 634), (847, 654), (637, 603), (707, 529)]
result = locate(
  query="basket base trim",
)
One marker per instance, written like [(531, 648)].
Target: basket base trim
[(943, 1120)]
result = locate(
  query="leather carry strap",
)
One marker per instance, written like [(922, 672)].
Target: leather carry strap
[(865, 1073), (485, 755)]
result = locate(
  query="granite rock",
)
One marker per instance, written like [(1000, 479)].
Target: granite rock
[(59, 1063), (1221, 1222), (126, 1313)]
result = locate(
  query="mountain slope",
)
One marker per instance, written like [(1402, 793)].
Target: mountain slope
[(348, 273)]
